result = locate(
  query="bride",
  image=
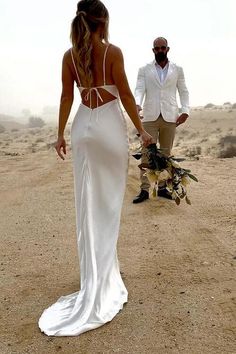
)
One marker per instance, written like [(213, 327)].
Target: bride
[(100, 162)]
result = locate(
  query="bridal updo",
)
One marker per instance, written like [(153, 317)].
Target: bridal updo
[(90, 15)]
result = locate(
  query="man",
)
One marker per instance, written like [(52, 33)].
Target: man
[(158, 82)]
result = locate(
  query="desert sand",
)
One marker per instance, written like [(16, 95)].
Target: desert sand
[(178, 262)]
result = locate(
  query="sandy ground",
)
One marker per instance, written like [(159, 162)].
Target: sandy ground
[(178, 262)]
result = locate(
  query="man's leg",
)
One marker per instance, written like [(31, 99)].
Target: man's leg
[(166, 136), (166, 140), (152, 129)]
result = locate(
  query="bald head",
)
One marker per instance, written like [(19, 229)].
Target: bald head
[(160, 40)]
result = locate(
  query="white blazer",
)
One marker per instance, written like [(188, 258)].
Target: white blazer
[(161, 97)]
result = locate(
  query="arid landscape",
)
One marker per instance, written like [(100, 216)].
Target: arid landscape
[(178, 262)]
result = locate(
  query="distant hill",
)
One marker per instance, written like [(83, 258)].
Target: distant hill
[(9, 125), (11, 122), (5, 118)]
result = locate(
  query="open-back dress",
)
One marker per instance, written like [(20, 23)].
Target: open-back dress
[(100, 162)]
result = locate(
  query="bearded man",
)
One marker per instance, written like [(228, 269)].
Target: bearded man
[(157, 84)]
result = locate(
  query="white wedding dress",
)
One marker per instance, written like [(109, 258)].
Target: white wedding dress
[(100, 160)]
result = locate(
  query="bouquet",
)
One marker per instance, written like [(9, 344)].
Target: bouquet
[(162, 169)]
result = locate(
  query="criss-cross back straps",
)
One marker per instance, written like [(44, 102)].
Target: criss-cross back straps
[(72, 57), (104, 65)]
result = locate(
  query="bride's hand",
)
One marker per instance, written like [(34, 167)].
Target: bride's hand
[(146, 138), (61, 145)]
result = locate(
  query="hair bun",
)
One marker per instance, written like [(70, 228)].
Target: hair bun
[(79, 13)]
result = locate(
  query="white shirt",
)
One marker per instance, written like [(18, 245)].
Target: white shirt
[(162, 72)]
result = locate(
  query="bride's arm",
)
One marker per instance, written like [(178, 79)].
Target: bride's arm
[(126, 96), (67, 97), (67, 94)]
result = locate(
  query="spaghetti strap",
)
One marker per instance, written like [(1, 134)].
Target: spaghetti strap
[(104, 65), (72, 57)]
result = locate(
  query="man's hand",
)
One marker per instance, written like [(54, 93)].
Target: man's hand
[(181, 119), (139, 109)]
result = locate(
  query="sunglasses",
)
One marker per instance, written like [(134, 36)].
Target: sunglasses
[(163, 47)]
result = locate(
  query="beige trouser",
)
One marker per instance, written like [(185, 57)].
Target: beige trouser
[(165, 133)]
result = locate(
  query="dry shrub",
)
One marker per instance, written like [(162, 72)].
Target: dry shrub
[(209, 105), (194, 151), (228, 151), (36, 122), (228, 139), (50, 145), (6, 153), (228, 146), (2, 128), (204, 140), (193, 135), (34, 131), (39, 140)]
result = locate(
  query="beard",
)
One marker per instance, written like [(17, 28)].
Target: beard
[(160, 56)]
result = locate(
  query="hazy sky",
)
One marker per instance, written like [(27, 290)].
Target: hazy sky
[(35, 34)]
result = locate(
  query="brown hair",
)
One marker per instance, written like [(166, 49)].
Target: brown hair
[(89, 16)]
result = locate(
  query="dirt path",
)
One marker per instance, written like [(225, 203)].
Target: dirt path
[(178, 262)]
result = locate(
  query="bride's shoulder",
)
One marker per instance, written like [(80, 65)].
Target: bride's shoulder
[(67, 55), (115, 51)]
